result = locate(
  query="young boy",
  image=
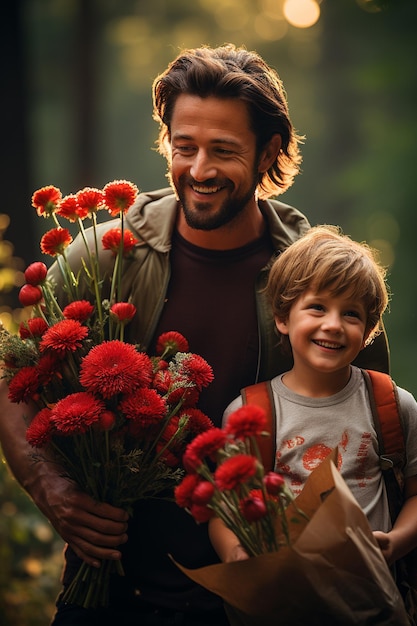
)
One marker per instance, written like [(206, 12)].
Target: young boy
[(328, 294)]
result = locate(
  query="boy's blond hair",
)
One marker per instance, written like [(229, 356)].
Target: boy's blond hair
[(326, 259)]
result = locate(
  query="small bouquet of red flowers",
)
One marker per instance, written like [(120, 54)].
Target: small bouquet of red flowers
[(313, 558), (226, 477), (115, 419)]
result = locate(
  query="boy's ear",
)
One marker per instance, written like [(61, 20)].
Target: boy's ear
[(270, 153), (281, 325), (365, 339)]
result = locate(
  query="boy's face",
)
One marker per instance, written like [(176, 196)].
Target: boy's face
[(326, 332)]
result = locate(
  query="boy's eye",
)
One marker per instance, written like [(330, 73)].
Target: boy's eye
[(316, 307), (353, 314)]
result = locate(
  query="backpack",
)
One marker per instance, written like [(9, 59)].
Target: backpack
[(387, 418)]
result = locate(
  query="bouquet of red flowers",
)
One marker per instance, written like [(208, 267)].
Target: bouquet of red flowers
[(116, 420), (226, 477)]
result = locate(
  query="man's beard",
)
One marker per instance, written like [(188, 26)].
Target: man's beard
[(201, 218)]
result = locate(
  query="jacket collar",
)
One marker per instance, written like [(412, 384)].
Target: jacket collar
[(152, 219)]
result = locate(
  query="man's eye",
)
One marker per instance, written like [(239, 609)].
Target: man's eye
[(183, 149)]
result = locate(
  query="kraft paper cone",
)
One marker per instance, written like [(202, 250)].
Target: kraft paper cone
[(334, 572)]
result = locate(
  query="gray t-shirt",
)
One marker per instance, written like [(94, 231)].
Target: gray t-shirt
[(309, 428)]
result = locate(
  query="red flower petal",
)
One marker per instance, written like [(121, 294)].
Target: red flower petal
[(234, 471), (112, 238), (76, 413), (55, 241), (79, 310), (247, 421), (45, 200), (65, 336), (119, 195), (115, 367)]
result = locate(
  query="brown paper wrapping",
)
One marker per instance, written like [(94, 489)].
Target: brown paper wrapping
[(333, 574)]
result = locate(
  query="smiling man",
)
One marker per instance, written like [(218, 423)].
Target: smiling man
[(205, 248)]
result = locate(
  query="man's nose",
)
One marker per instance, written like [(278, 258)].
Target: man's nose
[(202, 167)]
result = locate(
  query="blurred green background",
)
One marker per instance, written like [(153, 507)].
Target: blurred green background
[(76, 111)]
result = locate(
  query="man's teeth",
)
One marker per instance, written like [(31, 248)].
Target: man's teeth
[(203, 189)]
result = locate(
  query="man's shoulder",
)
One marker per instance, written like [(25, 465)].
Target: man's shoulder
[(152, 217), (286, 223)]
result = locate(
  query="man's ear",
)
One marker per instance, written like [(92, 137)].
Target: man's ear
[(270, 153), (281, 326)]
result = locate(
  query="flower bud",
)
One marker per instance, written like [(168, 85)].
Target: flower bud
[(203, 493), (35, 273), (253, 509), (29, 295), (274, 483), (107, 420), (123, 312)]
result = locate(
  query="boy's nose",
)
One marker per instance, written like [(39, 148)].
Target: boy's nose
[(332, 322)]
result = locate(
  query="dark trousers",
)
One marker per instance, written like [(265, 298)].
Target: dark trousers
[(69, 615)]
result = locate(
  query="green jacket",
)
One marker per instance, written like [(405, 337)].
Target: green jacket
[(146, 274)]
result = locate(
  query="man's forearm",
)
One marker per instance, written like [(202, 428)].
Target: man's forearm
[(16, 450)]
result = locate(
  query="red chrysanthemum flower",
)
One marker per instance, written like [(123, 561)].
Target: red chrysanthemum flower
[(79, 310), (144, 407), (171, 342), (24, 386), (119, 195), (30, 295), (184, 491), (123, 312), (195, 369), (201, 514), (115, 367), (35, 273), (198, 422), (204, 445), (247, 421), (90, 199), (39, 432), (48, 367), (252, 508), (235, 471), (75, 413), (65, 336), (112, 238), (55, 241), (274, 483), (45, 200), (69, 209), (34, 327)]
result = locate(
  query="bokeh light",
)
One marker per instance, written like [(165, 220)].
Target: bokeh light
[(301, 13)]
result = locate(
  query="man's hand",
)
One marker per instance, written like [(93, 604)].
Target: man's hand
[(94, 530)]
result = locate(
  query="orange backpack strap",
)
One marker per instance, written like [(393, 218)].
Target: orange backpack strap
[(387, 421), (261, 395)]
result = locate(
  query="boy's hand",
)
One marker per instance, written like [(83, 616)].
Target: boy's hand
[(385, 544)]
